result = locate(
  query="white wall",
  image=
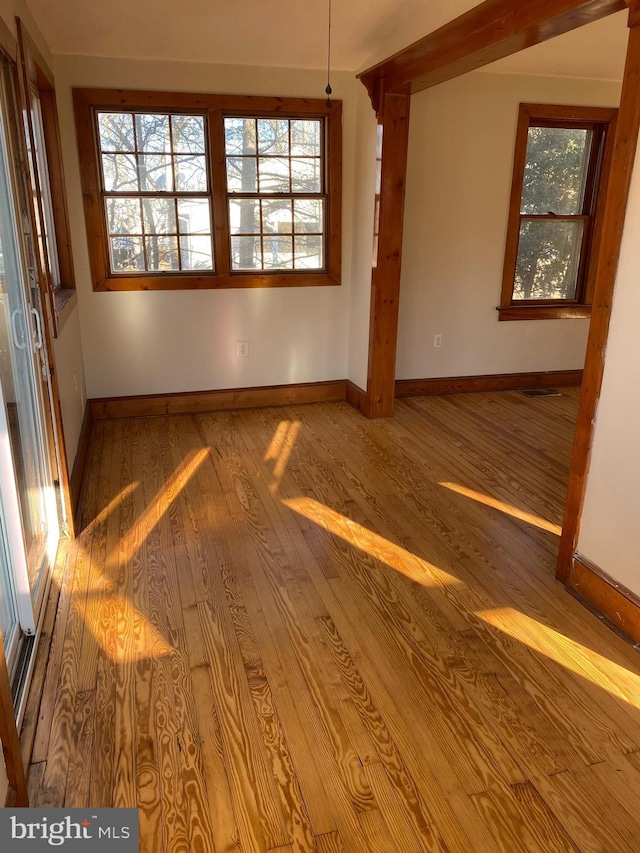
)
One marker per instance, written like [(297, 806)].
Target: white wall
[(142, 343), (611, 515), (71, 383), (461, 147)]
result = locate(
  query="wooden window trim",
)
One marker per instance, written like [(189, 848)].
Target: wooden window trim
[(87, 101), (602, 121), (36, 73)]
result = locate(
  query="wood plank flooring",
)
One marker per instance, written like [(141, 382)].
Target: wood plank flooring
[(295, 629)]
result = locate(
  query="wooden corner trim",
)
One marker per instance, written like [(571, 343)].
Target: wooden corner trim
[(196, 402), (634, 13), (357, 398), (80, 464), (619, 606), (489, 382), (32, 51)]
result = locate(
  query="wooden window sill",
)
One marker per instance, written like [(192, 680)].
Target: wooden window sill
[(543, 312), (65, 300), (215, 282)]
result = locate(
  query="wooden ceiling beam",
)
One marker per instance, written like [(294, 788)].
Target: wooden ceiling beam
[(486, 33)]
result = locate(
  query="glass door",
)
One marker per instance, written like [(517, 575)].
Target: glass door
[(26, 482)]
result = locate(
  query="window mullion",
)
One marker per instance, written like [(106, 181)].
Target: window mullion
[(220, 207)]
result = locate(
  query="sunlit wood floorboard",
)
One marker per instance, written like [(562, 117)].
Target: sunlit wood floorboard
[(295, 629)]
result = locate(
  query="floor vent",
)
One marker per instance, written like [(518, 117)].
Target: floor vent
[(542, 392)]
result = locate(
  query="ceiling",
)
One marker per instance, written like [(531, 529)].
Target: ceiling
[(292, 34)]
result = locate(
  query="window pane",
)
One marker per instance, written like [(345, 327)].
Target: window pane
[(244, 216), (153, 132), (548, 259), (42, 167), (308, 216), (555, 170), (195, 253), (126, 254), (276, 216), (240, 135), (308, 252), (155, 173), (273, 136), (194, 216), (159, 215), (278, 251), (116, 132), (246, 253), (191, 175), (188, 134), (305, 138), (123, 216), (305, 175), (120, 172), (274, 174), (162, 253), (241, 175)]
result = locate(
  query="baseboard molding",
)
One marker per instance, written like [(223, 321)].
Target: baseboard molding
[(618, 605), (491, 382), (357, 398), (80, 463), (196, 402)]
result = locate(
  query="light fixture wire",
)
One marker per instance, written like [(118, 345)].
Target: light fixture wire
[(328, 90)]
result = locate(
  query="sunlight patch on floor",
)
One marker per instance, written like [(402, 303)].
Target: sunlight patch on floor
[(376, 546), (280, 450), (157, 507), (618, 680), (113, 504), (132, 637), (120, 629), (509, 509)]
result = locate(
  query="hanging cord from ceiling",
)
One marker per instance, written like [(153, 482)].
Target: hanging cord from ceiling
[(329, 90)]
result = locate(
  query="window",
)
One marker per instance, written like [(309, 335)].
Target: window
[(274, 192), (156, 191), (561, 166), (200, 191), (46, 179)]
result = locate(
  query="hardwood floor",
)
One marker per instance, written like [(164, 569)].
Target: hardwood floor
[(295, 629)]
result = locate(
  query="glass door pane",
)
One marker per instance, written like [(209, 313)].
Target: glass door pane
[(9, 621), (23, 373), (18, 379)]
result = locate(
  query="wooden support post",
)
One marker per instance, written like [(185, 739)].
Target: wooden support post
[(385, 277), (615, 206), (10, 738)]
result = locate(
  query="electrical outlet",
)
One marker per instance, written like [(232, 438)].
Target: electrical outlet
[(75, 384), (437, 341), (243, 349)]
